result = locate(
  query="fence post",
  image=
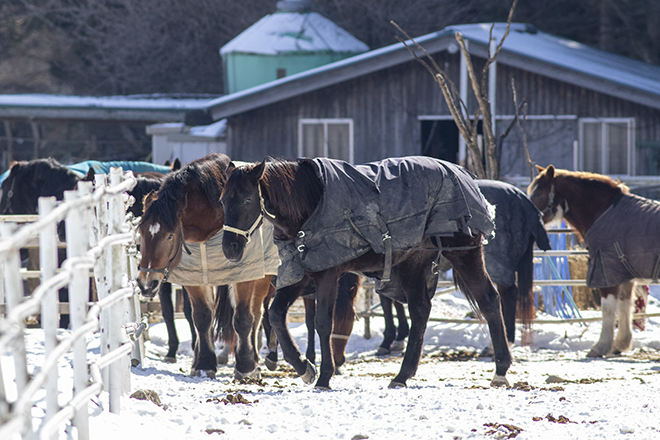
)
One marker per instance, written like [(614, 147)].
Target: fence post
[(100, 226), (119, 379), (14, 296), (48, 259), (78, 296)]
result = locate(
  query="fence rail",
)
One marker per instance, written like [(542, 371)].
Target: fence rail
[(99, 238)]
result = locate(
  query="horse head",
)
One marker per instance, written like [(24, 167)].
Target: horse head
[(542, 193), (162, 242), (243, 204)]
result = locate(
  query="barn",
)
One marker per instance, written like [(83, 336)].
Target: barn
[(587, 109)]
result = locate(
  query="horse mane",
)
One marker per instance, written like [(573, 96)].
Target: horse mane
[(284, 178), (593, 181), (208, 174)]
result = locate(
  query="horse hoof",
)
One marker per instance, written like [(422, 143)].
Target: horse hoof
[(310, 373), (339, 371), (254, 374), (169, 360), (209, 373), (382, 351), (593, 353), (398, 346), (395, 385), (499, 381), (322, 388), (270, 363)]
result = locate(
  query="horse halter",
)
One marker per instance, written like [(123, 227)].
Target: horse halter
[(551, 201), (247, 233), (166, 271)]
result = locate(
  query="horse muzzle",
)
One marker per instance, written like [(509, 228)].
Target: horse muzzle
[(150, 288), (232, 246)]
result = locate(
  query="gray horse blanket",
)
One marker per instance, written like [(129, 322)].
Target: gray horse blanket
[(517, 221), (394, 202), (207, 264), (624, 242)]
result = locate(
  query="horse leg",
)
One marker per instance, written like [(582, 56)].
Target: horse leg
[(310, 316), (187, 312), (201, 298), (344, 317), (326, 296), (477, 287), (509, 298), (608, 299), (167, 310), (390, 329), (402, 330), (271, 340), (624, 335), (246, 364), (277, 313), (418, 284), (261, 290)]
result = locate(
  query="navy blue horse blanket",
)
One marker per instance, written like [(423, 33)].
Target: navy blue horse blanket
[(624, 242), (517, 221), (398, 200)]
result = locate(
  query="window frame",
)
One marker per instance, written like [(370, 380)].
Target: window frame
[(604, 144), (326, 122)]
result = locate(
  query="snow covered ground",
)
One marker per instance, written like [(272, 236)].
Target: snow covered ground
[(447, 399)]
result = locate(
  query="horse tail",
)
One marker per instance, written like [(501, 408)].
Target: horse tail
[(224, 315), (347, 290), (525, 271)]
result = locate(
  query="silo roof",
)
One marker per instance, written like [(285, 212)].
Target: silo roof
[(286, 32)]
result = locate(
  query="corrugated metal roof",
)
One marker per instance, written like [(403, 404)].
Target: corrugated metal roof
[(285, 32), (525, 48)]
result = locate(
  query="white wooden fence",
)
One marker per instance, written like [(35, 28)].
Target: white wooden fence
[(99, 237)]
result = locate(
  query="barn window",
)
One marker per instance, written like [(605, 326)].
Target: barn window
[(607, 145), (331, 138)]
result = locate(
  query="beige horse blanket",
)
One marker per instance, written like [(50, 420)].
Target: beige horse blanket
[(207, 264)]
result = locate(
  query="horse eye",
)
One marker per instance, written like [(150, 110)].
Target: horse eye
[(171, 236), (248, 201)]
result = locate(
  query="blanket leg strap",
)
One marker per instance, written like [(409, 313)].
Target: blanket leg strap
[(387, 270), (656, 270), (205, 265), (435, 265), (624, 260)]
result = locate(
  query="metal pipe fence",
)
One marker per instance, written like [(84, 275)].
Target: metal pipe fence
[(99, 238)]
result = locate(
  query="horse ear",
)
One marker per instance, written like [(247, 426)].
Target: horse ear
[(176, 165), (539, 169), (148, 199), (89, 177), (257, 172), (550, 171)]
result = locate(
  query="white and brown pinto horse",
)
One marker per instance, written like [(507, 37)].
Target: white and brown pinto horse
[(622, 233)]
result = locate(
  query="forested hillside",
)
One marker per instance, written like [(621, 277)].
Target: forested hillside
[(104, 47)]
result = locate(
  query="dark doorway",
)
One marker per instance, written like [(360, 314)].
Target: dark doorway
[(440, 140)]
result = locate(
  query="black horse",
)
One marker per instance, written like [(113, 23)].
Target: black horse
[(509, 258), (27, 181), (391, 220)]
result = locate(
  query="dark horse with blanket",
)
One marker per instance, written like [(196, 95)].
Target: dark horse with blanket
[(25, 182), (622, 233), (390, 220), (509, 258)]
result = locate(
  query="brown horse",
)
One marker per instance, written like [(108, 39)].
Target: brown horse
[(289, 193), (187, 208), (622, 233)]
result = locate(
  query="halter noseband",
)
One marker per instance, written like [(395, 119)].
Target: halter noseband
[(166, 271), (247, 233)]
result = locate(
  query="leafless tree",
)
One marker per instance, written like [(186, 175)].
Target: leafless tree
[(490, 152)]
